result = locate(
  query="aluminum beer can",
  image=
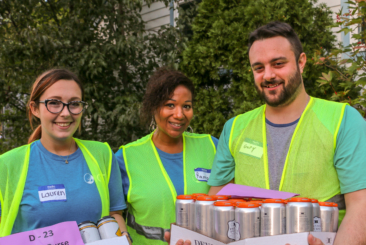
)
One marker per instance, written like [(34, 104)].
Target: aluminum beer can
[(317, 222), (224, 222), (326, 215), (273, 217), (195, 195), (89, 232), (220, 197), (335, 217), (247, 217), (108, 228), (184, 211), (299, 215), (204, 215)]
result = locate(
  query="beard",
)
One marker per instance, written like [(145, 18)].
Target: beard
[(286, 95)]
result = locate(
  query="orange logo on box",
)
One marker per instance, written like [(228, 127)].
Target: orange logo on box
[(119, 233)]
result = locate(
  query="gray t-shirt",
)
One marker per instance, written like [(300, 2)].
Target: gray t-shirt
[(278, 141)]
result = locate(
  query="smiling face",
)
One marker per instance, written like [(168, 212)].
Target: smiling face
[(60, 126), (174, 116), (276, 71)]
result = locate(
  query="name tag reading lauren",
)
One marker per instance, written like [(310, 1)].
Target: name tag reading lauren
[(252, 148), (52, 193)]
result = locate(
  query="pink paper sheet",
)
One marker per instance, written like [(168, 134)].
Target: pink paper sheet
[(65, 233), (249, 191)]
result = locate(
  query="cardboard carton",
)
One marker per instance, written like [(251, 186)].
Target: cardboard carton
[(178, 232)]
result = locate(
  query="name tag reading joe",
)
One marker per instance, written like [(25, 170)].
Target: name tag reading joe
[(252, 148), (52, 193)]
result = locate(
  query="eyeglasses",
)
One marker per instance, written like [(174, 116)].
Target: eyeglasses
[(56, 106)]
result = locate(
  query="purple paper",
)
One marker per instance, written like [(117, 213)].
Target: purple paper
[(235, 190), (65, 233)]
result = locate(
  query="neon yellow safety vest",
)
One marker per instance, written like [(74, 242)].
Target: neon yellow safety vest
[(151, 196), (13, 174), (309, 169)]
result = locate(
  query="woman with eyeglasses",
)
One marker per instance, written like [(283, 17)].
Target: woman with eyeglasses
[(167, 162), (56, 177)]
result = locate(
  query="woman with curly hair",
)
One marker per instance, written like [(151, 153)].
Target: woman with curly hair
[(167, 162)]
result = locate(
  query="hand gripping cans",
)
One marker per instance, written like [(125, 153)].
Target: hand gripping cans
[(273, 217), (89, 232), (299, 215), (108, 227), (224, 222), (184, 211), (247, 217), (204, 219), (326, 215), (317, 222), (335, 216)]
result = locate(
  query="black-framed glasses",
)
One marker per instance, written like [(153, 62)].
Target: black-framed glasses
[(56, 106)]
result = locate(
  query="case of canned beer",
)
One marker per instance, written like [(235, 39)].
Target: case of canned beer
[(220, 219)]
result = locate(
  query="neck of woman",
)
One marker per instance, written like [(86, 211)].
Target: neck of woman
[(61, 148), (166, 143)]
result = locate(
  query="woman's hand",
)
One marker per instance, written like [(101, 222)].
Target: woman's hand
[(180, 241), (121, 222)]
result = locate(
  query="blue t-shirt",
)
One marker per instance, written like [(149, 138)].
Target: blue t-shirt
[(173, 164), (349, 157), (82, 197)]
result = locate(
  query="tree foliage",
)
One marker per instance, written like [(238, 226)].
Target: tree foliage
[(347, 64), (103, 41), (217, 60)]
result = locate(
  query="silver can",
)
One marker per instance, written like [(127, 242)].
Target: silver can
[(204, 217), (184, 211), (273, 217), (108, 228), (299, 215), (224, 222), (89, 232), (247, 218), (326, 215), (317, 222), (335, 217)]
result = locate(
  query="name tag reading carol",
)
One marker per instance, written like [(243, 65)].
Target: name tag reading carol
[(202, 174), (52, 193)]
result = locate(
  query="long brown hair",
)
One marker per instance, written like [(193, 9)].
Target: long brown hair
[(42, 83)]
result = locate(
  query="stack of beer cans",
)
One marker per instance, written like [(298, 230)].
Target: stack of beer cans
[(106, 228), (226, 219)]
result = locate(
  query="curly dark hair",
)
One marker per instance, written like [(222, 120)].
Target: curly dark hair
[(159, 89)]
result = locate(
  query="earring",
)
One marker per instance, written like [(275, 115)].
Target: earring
[(152, 125), (190, 129)]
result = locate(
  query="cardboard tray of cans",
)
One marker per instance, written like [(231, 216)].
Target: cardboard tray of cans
[(112, 241), (178, 232)]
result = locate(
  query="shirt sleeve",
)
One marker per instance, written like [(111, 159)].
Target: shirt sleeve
[(117, 201), (223, 168), (349, 157), (215, 141), (123, 172)]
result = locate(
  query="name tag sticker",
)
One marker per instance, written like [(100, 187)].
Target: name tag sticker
[(202, 174), (252, 148), (52, 193)]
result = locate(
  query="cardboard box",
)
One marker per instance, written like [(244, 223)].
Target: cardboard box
[(178, 232), (112, 241)]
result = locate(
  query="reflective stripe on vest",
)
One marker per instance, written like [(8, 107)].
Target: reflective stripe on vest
[(309, 168), (13, 173), (154, 233), (151, 196)]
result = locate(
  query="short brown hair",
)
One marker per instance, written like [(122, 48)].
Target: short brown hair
[(275, 29), (160, 87)]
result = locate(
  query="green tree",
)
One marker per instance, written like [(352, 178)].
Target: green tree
[(217, 60), (103, 41), (347, 64)]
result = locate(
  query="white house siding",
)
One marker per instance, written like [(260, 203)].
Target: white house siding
[(335, 6), (155, 16)]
